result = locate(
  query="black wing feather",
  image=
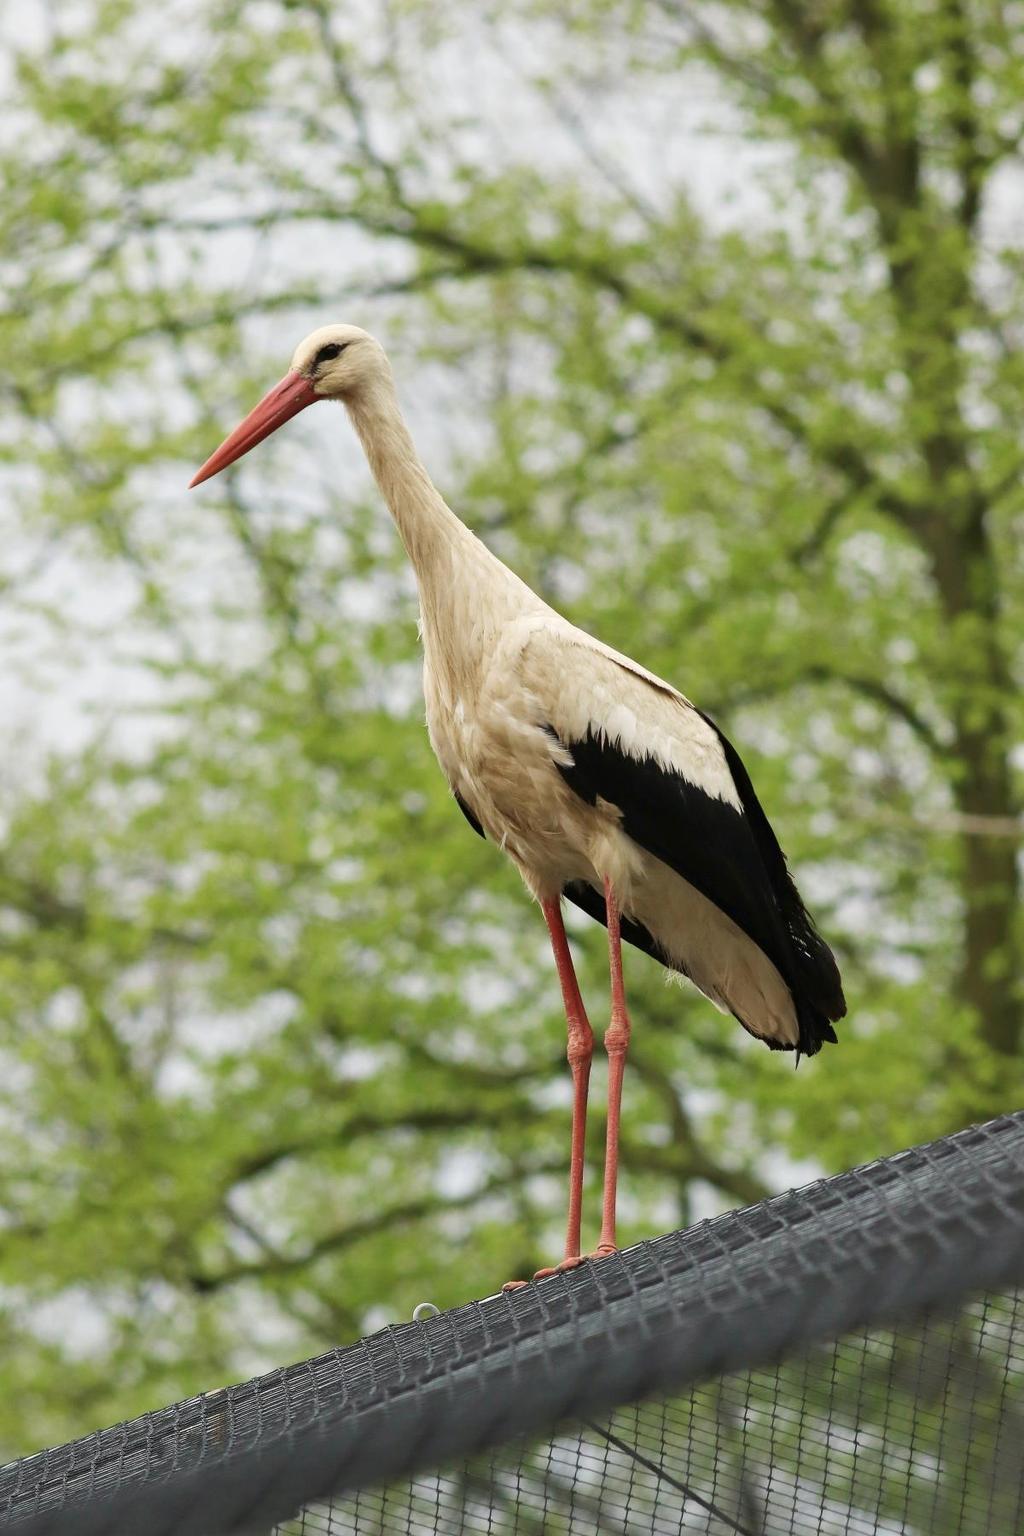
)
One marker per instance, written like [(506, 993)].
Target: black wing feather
[(731, 856), (591, 901), (815, 962), (585, 897), (469, 815)]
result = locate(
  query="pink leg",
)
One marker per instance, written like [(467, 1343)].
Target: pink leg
[(616, 1043), (580, 1050)]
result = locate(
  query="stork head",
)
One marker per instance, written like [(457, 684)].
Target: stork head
[(337, 360), (333, 363)]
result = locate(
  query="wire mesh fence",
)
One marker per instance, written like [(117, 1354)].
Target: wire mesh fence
[(912, 1430), (847, 1357)]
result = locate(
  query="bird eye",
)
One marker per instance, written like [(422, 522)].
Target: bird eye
[(332, 349)]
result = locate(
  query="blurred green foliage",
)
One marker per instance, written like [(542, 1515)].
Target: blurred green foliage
[(282, 1049)]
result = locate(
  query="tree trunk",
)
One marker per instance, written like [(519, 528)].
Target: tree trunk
[(964, 566)]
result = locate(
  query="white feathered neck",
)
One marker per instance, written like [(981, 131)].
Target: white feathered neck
[(466, 592), (427, 525)]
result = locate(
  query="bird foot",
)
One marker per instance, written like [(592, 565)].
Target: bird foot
[(600, 1252), (557, 1269)]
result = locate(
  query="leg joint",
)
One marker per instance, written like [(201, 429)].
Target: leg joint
[(616, 1039), (580, 1047)]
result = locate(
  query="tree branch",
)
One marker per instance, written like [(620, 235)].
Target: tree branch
[(470, 256), (870, 687), (686, 1157), (972, 163), (404, 1214), (358, 1127)]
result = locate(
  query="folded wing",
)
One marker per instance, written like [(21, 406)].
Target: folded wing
[(684, 796)]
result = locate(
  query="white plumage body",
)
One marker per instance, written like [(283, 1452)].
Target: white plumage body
[(502, 670)]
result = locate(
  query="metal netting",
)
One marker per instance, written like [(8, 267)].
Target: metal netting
[(846, 1357), (917, 1430)]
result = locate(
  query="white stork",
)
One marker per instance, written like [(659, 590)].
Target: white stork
[(601, 782)]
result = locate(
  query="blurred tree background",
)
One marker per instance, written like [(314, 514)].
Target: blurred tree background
[(708, 319)]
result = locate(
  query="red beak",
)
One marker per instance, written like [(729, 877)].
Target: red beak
[(283, 402)]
